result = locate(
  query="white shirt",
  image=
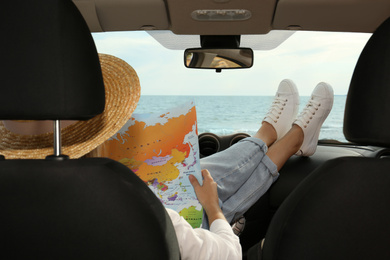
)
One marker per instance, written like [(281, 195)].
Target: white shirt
[(220, 243)]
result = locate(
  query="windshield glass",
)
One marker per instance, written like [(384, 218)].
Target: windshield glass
[(237, 100)]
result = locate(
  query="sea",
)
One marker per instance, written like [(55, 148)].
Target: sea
[(225, 115)]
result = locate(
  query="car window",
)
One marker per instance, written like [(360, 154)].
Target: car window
[(236, 100)]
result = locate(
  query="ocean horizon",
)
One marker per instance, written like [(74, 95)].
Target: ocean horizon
[(225, 115)]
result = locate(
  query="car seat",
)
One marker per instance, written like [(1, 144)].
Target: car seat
[(60, 208), (341, 210)]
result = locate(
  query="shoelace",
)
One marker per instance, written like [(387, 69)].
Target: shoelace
[(276, 109), (308, 112)]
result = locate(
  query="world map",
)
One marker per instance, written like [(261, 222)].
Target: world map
[(162, 149)]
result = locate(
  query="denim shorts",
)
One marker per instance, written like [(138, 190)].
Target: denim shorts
[(243, 173)]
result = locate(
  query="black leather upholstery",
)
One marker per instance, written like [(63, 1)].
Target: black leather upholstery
[(367, 110), (296, 169), (50, 69), (67, 209), (80, 209), (340, 211)]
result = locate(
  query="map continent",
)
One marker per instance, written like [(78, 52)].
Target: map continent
[(162, 149)]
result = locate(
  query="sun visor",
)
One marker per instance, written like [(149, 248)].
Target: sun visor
[(119, 15), (264, 42)]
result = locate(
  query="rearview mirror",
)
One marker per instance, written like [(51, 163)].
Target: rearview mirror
[(218, 59)]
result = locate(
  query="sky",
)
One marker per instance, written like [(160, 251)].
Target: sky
[(307, 58)]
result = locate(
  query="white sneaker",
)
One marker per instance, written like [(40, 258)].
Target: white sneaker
[(284, 108), (238, 226), (313, 116)]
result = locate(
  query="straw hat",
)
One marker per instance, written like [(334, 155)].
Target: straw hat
[(122, 90)]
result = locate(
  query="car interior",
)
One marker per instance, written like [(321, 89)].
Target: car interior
[(332, 205), (57, 207)]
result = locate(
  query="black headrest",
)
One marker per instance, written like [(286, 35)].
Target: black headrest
[(50, 67), (367, 111)]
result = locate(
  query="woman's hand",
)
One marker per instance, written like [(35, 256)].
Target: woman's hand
[(208, 196)]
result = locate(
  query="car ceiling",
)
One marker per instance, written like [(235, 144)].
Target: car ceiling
[(265, 15)]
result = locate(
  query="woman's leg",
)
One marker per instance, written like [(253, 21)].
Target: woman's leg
[(253, 176), (286, 147), (243, 172)]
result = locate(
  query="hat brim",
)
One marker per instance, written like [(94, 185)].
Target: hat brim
[(122, 90)]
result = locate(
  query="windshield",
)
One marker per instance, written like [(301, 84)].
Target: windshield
[(237, 100)]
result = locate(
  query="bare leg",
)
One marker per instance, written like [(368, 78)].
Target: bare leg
[(266, 133), (282, 150)]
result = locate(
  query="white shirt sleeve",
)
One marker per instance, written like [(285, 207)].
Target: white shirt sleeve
[(218, 243)]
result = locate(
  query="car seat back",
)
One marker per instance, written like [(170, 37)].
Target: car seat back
[(60, 208), (340, 211)]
